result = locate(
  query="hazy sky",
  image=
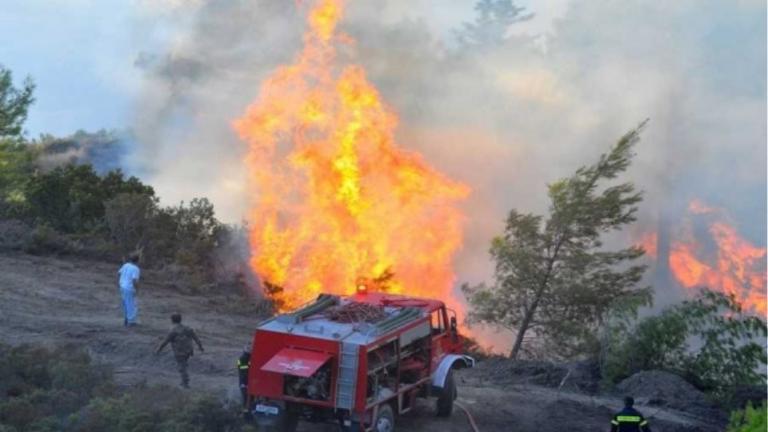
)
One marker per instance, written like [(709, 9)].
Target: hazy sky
[(80, 56)]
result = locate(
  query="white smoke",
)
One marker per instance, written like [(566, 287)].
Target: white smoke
[(506, 119)]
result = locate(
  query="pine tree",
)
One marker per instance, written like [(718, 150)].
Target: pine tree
[(554, 277), (14, 104)]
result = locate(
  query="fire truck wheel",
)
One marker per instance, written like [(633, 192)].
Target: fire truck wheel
[(385, 419), (290, 422), (447, 396), (287, 422)]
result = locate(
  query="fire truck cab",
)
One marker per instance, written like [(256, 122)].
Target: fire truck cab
[(357, 361)]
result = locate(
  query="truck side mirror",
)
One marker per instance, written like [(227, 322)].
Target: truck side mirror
[(454, 326)]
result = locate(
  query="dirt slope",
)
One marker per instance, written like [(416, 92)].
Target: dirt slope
[(52, 301)]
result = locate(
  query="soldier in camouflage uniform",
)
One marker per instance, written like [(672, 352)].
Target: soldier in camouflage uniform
[(181, 338)]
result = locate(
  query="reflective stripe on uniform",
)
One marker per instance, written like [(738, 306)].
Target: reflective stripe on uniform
[(628, 419), (614, 422), (241, 365), (644, 422)]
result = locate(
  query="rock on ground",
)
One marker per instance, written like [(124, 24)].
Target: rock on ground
[(667, 390)]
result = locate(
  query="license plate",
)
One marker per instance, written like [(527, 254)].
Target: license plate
[(266, 409)]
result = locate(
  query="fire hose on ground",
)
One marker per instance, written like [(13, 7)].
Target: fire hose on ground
[(469, 417)]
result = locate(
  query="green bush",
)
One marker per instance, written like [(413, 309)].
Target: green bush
[(14, 234), (729, 345), (40, 387), (186, 235), (196, 234), (15, 170), (131, 219), (156, 408), (657, 342), (71, 198), (73, 210), (61, 390), (14, 103), (749, 419), (46, 240)]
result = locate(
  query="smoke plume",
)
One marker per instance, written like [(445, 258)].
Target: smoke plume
[(505, 117)]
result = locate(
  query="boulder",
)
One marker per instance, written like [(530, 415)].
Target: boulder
[(667, 390)]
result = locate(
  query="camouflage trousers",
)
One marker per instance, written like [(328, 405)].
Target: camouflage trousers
[(182, 363)]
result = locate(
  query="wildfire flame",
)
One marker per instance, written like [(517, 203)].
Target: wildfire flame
[(735, 267), (336, 200)]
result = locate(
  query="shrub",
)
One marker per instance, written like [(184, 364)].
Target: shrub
[(657, 342), (727, 355), (156, 408), (14, 234), (73, 210), (46, 240), (61, 390), (18, 413), (749, 419), (129, 218), (71, 198), (196, 233), (204, 414), (15, 170), (40, 387), (184, 235)]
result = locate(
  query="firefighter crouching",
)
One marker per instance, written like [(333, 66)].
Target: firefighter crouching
[(243, 363), (629, 419)]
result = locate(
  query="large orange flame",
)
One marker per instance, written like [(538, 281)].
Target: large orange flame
[(336, 199), (735, 266)]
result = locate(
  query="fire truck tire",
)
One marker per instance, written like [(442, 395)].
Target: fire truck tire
[(385, 419), (447, 396), (287, 422), (290, 422), (353, 427)]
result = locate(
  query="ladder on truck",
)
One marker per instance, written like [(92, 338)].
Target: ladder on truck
[(345, 385)]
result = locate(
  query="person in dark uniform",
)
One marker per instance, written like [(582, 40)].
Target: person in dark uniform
[(629, 419), (243, 363), (181, 338)]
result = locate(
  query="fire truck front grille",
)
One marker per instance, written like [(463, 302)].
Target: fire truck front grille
[(345, 385)]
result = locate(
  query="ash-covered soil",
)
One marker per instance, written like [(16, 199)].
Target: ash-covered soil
[(51, 301)]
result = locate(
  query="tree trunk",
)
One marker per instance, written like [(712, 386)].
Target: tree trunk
[(531, 311), (521, 332)]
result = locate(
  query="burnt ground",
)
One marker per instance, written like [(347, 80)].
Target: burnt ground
[(51, 301)]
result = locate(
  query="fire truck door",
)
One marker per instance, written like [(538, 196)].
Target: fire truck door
[(438, 335)]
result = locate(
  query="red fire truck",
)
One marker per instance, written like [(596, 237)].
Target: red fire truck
[(354, 360)]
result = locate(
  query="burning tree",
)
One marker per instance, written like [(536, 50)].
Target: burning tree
[(705, 250), (335, 197), (554, 277)]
